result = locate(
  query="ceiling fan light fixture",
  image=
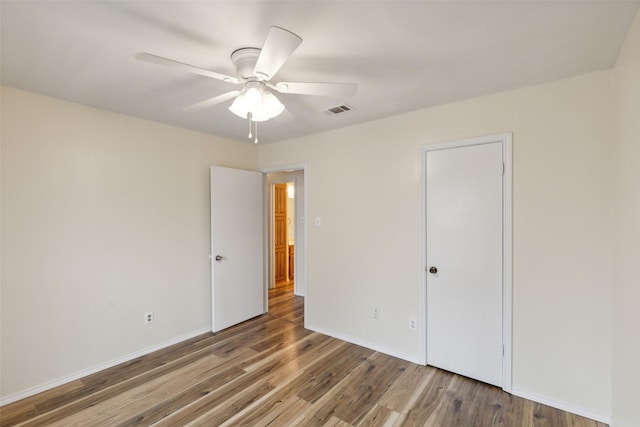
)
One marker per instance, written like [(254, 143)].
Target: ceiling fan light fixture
[(260, 115), (261, 103), (253, 97), (272, 104), (239, 106)]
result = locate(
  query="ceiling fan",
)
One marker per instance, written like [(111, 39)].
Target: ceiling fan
[(255, 69)]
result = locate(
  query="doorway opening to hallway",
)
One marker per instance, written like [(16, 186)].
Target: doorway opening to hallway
[(286, 254)]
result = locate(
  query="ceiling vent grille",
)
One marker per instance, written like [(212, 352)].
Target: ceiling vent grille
[(340, 109)]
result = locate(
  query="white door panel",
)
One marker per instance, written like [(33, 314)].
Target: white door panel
[(464, 243), (236, 246)]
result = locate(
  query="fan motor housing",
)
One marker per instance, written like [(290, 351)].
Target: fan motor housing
[(244, 59)]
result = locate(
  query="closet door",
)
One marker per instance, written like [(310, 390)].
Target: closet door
[(464, 260)]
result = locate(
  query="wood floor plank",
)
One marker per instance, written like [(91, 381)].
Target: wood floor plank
[(28, 408), (497, 408), (326, 373), (545, 416), (279, 414), (22, 412), (142, 397), (238, 403), (84, 399), (218, 397), (270, 371), (182, 399), (280, 339), (110, 382), (456, 405), (428, 400), (354, 391), (293, 408), (379, 416), (405, 390), (276, 387), (366, 384), (268, 407), (285, 305), (301, 356), (336, 422), (265, 330)]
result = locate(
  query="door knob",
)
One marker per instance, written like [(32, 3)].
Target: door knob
[(218, 257), (432, 270)]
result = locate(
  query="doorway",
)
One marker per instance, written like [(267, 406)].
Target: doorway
[(467, 195), (286, 245), (241, 262)]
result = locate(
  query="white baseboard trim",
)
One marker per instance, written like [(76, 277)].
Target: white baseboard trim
[(375, 347), (80, 374), (561, 405)]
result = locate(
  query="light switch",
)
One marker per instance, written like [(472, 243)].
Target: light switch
[(318, 221)]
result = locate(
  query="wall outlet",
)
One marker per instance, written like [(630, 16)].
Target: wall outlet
[(413, 324), (148, 317), (376, 313)]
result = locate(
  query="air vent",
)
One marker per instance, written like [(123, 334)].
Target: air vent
[(340, 109)]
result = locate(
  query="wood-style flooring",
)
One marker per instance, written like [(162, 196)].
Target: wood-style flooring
[(285, 305), (270, 371)]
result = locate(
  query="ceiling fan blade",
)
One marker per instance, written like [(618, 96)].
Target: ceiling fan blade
[(277, 48), (154, 59), (337, 90), (213, 101)]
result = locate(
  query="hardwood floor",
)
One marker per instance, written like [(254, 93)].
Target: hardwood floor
[(270, 371), (285, 305)]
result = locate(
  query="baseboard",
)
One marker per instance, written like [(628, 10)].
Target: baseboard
[(81, 374), (561, 405), (366, 344)]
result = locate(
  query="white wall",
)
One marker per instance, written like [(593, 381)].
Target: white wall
[(626, 247), (366, 187), (104, 217)]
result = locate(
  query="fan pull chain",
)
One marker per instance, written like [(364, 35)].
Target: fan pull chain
[(250, 134), (256, 129)]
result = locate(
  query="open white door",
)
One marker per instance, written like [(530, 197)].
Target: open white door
[(237, 272), (464, 210)]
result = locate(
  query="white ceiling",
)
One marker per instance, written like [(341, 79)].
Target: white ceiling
[(404, 55)]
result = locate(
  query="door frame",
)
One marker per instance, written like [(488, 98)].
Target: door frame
[(299, 228), (507, 252)]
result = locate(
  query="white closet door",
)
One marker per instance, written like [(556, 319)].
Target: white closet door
[(464, 256)]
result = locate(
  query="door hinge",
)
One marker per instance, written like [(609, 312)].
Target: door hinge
[(502, 168), (503, 351)]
